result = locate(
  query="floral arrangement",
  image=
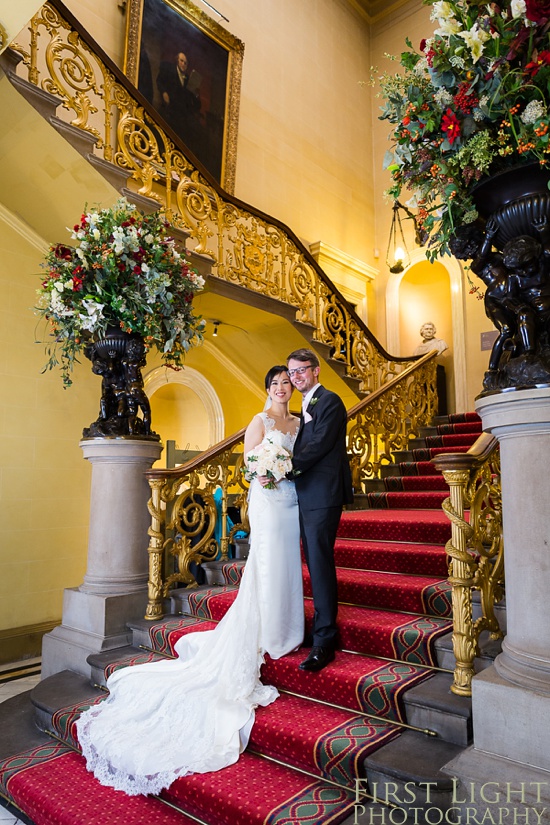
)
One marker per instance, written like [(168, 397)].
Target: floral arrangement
[(269, 460), (471, 101), (124, 271)]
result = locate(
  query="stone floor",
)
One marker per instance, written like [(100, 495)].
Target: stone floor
[(8, 689)]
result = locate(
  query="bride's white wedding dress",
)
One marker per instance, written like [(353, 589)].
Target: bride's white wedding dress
[(194, 714)]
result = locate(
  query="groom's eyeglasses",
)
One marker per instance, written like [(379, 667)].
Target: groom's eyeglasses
[(299, 370)]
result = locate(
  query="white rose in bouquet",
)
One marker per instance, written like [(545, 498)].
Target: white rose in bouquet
[(268, 459)]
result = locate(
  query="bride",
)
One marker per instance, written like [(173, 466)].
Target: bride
[(194, 714)]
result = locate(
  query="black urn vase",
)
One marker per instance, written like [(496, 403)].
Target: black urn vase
[(124, 409), (517, 198)]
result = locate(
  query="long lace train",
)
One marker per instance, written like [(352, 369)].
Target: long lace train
[(167, 719)]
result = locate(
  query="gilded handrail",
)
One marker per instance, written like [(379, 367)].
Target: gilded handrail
[(248, 248), (182, 504), (476, 549)]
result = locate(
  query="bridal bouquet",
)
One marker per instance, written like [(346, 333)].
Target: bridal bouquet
[(268, 459)]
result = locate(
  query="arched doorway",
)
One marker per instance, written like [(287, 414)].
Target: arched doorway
[(448, 269), (185, 407)]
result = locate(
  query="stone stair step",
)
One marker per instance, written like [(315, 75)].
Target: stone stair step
[(61, 690), (433, 706), (224, 572), (407, 772), (142, 629), (19, 728), (489, 650), (100, 662)]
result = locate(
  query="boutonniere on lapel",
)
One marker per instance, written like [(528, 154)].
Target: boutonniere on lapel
[(313, 402)]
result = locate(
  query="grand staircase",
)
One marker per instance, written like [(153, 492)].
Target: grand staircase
[(382, 712)]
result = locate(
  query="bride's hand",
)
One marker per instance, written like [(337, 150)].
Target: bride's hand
[(264, 480)]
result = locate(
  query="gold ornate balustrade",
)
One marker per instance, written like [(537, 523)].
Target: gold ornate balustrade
[(248, 248), (182, 505), (476, 549)]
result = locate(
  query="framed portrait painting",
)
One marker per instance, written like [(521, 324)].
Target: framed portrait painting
[(189, 68)]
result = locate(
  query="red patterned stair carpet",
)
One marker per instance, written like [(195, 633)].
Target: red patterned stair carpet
[(395, 603)]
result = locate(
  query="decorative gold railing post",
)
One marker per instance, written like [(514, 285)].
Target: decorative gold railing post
[(475, 548), (156, 550), (461, 579)]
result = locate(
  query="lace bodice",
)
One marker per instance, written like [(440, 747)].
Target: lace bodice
[(286, 440)]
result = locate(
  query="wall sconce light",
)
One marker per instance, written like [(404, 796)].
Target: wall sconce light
[(216, 325)]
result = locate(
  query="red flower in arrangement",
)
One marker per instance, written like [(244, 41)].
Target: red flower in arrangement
[(62, 252), (450, 125), (537, 10), (533, 68)]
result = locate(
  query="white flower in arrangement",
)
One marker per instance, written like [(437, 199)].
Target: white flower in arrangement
[(441, 11), (533, 111), (268, 459), (197, 280), (474, 39), (448, 26), (518, 8)]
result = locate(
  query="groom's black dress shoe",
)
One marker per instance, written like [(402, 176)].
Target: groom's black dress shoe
[(318, 658)]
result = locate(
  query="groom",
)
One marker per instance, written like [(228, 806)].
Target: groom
[(323, 485)]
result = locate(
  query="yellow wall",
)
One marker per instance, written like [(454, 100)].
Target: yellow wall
[(44, 482)]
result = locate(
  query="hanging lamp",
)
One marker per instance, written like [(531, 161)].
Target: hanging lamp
[(397, 256)]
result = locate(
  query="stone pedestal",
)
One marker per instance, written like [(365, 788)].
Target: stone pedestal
[(114, 590), (511, 700)]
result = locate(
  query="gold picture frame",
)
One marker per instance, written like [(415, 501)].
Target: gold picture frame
[(199, 96)]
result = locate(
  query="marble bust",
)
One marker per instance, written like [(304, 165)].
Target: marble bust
[(429, 340)]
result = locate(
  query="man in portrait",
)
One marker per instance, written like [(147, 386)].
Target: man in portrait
[(180, 100)]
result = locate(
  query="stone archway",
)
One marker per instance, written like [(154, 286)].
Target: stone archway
[(454, 271), (203, 389)]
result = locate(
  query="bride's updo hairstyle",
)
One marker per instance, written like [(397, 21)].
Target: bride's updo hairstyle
[(273, 373)]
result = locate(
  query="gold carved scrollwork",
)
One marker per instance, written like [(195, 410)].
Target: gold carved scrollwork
[(476, 554), (388, 418), (72, 77)]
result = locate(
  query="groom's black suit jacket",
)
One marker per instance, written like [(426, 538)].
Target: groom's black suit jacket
[(320, 463)]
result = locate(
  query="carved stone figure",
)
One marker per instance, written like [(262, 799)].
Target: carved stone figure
[(123, 395), (517, 300), (429, 340)]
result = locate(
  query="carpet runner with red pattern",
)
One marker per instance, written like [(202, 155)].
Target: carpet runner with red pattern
[(306, 749)]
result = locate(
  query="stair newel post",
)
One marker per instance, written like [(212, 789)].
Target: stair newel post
[(156, 547), (462, 569)]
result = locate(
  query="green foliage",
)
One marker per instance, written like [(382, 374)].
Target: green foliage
[(123, 271), (471, 101)]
